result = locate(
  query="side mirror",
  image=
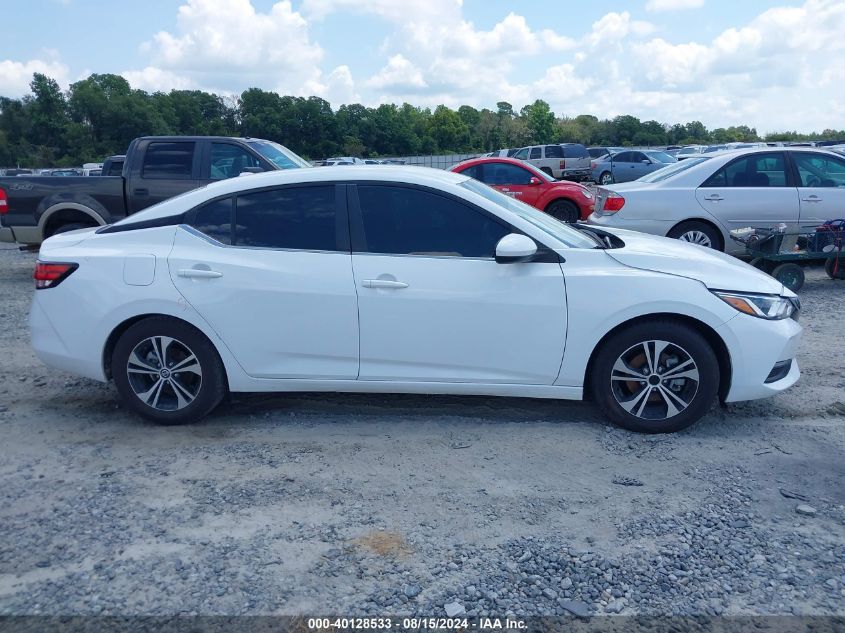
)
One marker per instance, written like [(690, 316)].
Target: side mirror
[(534, 181), (646, 161), (252, 170), (515, 248)]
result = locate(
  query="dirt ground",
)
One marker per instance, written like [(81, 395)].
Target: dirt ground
[(355, 503)]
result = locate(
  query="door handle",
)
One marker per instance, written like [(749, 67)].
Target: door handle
[(383, 283), (811, 199), (140, 192), (199, 273), (714, 198)]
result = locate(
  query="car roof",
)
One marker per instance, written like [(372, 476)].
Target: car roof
[(426, 176), (493, 159)]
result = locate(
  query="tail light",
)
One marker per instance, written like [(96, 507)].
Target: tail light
[(613, 202), (593, 165), (562, 164), (50, 274), (4, 202)]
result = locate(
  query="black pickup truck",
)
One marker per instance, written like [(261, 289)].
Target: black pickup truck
[(32, 208)]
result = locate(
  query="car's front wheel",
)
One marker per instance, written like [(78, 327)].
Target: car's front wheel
[(655, 377), (168, 371), (564, 210)]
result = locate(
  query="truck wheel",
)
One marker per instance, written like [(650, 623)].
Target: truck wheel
[(65, 228), (564, 210), (168, 371), (655, 377)]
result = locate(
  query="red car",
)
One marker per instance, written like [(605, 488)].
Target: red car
[(564, 200)]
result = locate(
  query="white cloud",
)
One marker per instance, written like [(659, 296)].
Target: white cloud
[(672, 5), (15, 76), (228, 45), (337, 88), (398, 75), (154, 79)]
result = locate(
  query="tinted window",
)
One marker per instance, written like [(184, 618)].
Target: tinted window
[(472, 172), (229, 160), (554, 151), (757, 170), (504, 174), (293, 217), (115, 168), (215, 220), (637, 157), (624, 157), (575, 151), (819, 170), (406, 221), (169, 160), (535, 152)]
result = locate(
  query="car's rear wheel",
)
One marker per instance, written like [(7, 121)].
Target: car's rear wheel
[(606, 178), (655, 377), (835, 267), (699, 233), (168, 371), (564, 210), (790, 275)]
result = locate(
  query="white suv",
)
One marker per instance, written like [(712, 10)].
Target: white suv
[(567, 161)]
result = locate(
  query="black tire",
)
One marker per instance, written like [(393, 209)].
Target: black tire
[(830, 264), (655, 416), (693, 231), (64, 228), (790, 275), (564, 210), (206, 390), (606, 178), (547, 171)]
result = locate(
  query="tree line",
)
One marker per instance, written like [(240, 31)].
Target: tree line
[(100, 115)]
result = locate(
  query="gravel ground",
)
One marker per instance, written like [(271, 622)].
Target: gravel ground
[(356, 504)]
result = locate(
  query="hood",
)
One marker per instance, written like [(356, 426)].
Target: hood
[(715, 270), (70, 238)]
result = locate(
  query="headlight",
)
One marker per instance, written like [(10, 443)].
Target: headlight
[(771, 307)]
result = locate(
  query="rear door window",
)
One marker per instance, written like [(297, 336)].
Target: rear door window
[(302, 218), (215, 220), (169, 159), (554, 151), (535, 152)]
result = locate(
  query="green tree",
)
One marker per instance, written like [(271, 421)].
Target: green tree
[(540, 121)]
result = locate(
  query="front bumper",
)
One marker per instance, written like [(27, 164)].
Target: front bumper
[(756, 345)]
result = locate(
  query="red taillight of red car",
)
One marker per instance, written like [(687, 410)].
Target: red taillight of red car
[(613, 203), (4, 202), (50, 274)]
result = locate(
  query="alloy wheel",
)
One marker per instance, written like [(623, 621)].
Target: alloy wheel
[(654, 380), (164, 373), (697, 237)]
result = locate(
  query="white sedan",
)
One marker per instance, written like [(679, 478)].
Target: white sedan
[(403, 279), (702, 199)]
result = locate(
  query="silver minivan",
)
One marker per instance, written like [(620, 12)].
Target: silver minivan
[(567, 161)]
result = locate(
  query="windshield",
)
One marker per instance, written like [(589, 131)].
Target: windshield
[(279, 155), (670, 170), (546, 223), (689, 150), (662, 157)]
